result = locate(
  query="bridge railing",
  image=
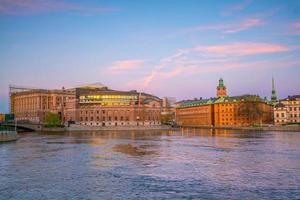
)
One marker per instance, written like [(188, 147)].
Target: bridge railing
[(4, 128)]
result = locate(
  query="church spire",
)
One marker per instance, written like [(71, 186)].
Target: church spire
[(273, 96)]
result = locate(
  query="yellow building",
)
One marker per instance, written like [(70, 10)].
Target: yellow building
[(2, 117)]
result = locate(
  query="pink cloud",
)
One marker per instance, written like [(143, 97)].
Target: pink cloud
[(247, 24), (242, 49), (206, 59), (125, 65), (27, 7), (228, 28), (295, 28), (236, 7)]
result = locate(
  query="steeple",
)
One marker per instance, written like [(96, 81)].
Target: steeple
[(221, 89), (273, 96)]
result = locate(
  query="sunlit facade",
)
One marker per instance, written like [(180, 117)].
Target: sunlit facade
[(106, 107), (223, 110), (32, 105), (88, 106), (287, 111)]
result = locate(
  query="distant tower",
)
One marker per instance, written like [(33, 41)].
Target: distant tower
[(221, 89), (273, 96)]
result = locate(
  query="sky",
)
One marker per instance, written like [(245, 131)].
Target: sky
[(175, 48)]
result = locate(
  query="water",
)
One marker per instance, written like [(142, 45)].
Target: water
[(182, 164)]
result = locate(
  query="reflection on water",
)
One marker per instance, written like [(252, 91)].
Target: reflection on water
[(183, 163), (132, 150)]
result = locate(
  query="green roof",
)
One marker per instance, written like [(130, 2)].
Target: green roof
[(222, 100)]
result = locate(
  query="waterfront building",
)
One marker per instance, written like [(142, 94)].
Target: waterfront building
[(194, 113), (91, 105), (101, 106), (223, 110), (168, 109), (287, 111), (33, 104)]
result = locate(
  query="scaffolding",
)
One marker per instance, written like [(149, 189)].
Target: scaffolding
[(13, 89)]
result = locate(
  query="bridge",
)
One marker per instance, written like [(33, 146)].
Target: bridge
[(24, 126)]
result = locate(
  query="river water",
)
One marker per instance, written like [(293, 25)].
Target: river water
[(178, 164)]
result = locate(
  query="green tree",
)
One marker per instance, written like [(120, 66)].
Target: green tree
[(52, 119), (252, 110)]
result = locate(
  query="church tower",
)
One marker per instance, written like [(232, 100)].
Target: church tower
[(221, 89), (273, 96)]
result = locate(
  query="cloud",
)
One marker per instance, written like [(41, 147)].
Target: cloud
[(294, 28), (228, 28), (28, 7), (125, 65), (206, 59), (242, 49), (236, 7)]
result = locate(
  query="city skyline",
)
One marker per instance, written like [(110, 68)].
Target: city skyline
[(163, 48)]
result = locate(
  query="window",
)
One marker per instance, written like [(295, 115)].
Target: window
[(86, 119), (116, 118), (103, 111), (109, 118), (277, 115), (282, 114)]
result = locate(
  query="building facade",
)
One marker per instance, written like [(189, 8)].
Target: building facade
[(223, 110), (32, 105), (106, 107), (94, 105), (287, 111)]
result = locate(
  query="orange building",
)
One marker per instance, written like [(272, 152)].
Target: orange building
[(199, 112), (240, 111), (243, 110)]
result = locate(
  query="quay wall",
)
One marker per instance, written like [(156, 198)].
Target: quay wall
[(6, 136), (271, 128)]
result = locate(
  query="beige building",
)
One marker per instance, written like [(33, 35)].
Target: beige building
[(287, 111), (33, 104), (92, 105)]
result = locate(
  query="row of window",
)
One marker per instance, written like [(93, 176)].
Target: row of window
[(291, 115), (121, 118), (295, 108), (118, 124), (104, 111)]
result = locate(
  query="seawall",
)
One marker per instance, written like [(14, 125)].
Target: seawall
[(6, 136), (270, 128)]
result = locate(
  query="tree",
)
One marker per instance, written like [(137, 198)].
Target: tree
[(52, 120), (251, 109)]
